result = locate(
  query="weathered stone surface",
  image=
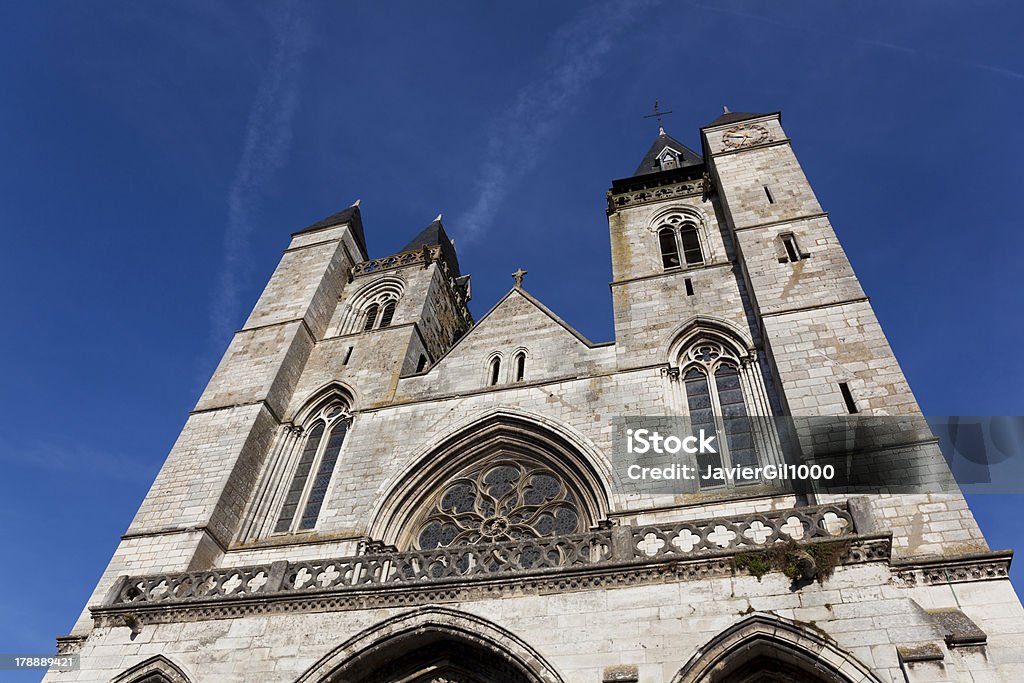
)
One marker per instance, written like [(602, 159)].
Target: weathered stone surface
[(917, 595)]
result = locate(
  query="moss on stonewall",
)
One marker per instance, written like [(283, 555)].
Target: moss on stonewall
[(797, 562)]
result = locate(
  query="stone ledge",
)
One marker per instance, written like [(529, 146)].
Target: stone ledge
[(956, 569), (862, 549)]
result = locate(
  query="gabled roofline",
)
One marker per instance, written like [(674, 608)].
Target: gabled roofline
[(533, 300)]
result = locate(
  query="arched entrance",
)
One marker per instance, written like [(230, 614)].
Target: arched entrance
[(433, 645), (767, 649)]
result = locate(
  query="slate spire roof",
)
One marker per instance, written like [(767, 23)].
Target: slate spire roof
[(432, 235), (687, 157), (348, 215)]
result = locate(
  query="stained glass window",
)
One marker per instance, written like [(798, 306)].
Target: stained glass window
[(313, 471), (501, 501), (714, 396)]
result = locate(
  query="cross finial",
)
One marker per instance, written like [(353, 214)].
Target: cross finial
[(518, 275), (658, 113)]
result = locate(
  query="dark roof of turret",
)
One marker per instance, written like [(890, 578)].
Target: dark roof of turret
[(650, 162), (348, 215), (733, 117), (432, 235)]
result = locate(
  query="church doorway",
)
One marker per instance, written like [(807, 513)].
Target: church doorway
[(432, 657)]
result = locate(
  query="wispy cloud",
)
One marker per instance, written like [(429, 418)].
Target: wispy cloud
[(268, 136), (575, 57)]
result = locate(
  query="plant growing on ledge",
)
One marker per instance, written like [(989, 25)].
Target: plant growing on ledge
[(809, 562)]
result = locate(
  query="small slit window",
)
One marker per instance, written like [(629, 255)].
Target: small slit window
[(792, 248), (768, 194), (421, 364), (348, 356), (493, 371), (689, 286), (851, 405), (669, 249)]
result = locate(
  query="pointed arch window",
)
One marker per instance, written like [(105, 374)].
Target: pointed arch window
[(371, 317), (681, 241), (493, 371), (716, 403), (693, 255), (379, 314), (387, 314), (313, 472), (669, 248), (519, 366)]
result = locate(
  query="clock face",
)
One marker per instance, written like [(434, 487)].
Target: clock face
[(744, 136)]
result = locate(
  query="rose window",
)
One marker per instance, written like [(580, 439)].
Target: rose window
[(503, 501)]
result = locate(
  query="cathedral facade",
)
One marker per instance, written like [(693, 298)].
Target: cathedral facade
[(376, 487)]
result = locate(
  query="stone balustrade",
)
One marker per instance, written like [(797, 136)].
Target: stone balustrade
[(619, 546)]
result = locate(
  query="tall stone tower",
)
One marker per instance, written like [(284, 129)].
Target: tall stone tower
[(374, 487)]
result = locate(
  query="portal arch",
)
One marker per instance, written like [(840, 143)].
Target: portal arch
[(764, 648), (430, 643)]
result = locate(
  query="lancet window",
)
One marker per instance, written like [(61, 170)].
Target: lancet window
[(318, 457)]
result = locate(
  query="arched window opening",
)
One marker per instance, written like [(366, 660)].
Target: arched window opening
[(692, 253), (388, 314), (502, 500), (371, 317), (319, 454), (520, 366), (669, 249), (493, 371), (715, 402)]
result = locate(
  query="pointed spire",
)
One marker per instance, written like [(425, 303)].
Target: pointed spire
[(725, 109), (434, 235), (357, 202), (684, 155)]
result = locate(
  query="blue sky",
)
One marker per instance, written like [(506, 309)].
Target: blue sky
[(155, 156)]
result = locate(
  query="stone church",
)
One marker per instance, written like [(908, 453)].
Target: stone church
[(375, 487)]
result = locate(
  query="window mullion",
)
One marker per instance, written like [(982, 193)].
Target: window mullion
[(716, 407), (311, 477)]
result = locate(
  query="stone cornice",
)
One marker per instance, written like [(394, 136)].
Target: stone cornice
[(626, 198), (956, 569)]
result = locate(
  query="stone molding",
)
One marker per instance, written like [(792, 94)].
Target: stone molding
[(961, 569), (785, 640), (345, 659), (687, 188)]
